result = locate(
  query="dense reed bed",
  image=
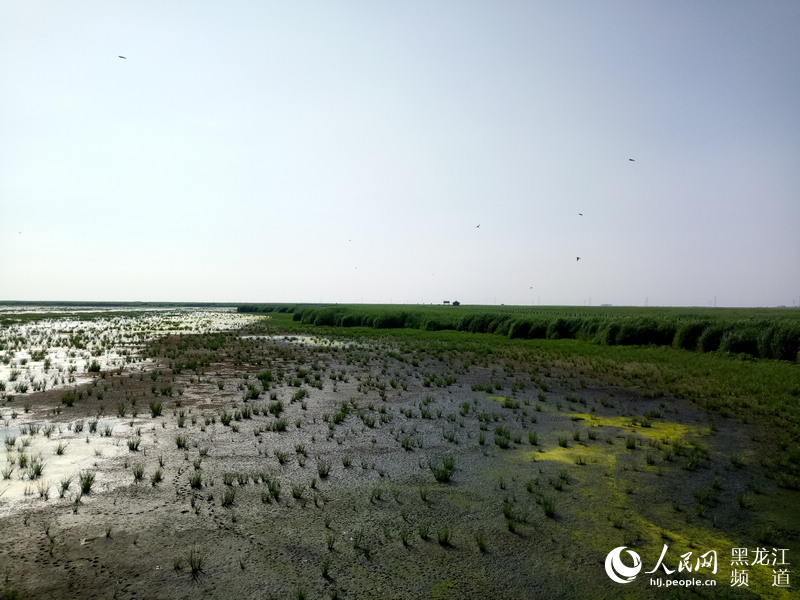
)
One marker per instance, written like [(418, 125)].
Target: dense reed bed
[(760, 333)]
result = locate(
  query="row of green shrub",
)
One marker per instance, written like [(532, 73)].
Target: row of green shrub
[(259, 308), (776, 338)]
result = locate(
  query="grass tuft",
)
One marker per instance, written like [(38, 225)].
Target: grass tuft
[(228, 497), (86, 481), (196, 560)]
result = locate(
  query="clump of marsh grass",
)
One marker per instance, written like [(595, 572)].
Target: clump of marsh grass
[(36, 468), (228, 497), (196, 560), (502, 437), (65, 484), (549, 506), (326, 567), (444, 536), (43, 487), (423, 494), (442, 473), (330, 539), (424, 530), (298, 491), (86, 480), (480, 540), (274, 487), (405, 537)]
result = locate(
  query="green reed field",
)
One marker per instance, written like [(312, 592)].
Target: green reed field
[(761, 333)]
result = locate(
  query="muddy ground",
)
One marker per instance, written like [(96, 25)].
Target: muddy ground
[(550, 472)]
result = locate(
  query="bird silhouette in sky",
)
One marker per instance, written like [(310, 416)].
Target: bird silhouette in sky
[(123, 57), (477, 226), (580, 214), (577, 258), (630, 159)]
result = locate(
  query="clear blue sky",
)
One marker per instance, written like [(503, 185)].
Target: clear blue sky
[(346, 151)]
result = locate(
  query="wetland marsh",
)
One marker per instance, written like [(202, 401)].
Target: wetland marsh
[(214, 454)]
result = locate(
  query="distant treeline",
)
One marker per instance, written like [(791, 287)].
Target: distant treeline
[(775, 336)]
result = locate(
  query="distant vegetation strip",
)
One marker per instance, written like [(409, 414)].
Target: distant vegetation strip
[(761, 333), (87, 311), (78, 303)]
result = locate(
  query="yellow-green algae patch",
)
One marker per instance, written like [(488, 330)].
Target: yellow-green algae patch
[(591, 455), (506, 402), (658, 430)]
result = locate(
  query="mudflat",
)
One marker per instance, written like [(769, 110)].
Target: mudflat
[(260, 463)]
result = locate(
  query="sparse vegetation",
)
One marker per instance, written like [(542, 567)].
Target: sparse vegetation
[(521, 418)]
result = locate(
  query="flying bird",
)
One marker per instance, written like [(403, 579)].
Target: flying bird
[(123, 57), (630, 159), (580, 214), (577, 258), (477, 226)]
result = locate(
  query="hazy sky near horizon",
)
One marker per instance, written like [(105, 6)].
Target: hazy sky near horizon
[(320, 151)]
